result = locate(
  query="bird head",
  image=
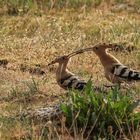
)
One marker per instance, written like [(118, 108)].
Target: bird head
[(98, 48), (60, 60), (102, 47), (64, 59)]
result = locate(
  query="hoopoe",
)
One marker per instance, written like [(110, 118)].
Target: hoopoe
[(65, 78), (114, 70)]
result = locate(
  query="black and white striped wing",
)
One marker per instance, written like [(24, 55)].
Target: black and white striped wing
[(124, 72), (74, 82)]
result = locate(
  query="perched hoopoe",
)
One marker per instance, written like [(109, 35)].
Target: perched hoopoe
[(114, 70), (64, 77)]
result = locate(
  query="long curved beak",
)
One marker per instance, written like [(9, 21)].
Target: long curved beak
[(73, 54), (80, 51)]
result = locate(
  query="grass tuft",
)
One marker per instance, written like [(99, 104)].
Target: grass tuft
[(96, 113)]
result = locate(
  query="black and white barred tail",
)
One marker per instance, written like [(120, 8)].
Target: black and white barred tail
[(126, 73)]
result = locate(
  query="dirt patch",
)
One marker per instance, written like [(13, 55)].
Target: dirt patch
[(36, 69)]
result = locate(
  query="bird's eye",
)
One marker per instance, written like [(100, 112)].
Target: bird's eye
[(96, 48), (63, 58)]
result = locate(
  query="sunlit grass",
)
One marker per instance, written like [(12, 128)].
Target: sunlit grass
[(31, 38), (99, 115)]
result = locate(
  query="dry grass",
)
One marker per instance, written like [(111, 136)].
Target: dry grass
[(35, 40)]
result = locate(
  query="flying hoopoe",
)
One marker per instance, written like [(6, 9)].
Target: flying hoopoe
[(114, 70)]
